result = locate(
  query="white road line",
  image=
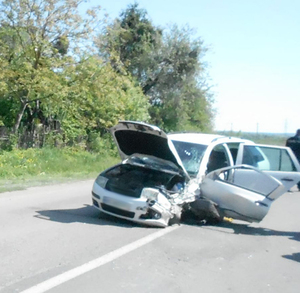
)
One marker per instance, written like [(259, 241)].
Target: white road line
[(71, 274)]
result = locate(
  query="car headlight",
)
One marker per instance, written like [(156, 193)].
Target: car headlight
[(150, 193), (101, 181)]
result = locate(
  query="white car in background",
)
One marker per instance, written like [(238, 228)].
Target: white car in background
[(160, 175)]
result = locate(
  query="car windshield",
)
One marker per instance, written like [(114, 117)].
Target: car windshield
[(191, 155)]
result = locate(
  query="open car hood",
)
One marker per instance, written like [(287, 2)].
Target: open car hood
[(140, 138)]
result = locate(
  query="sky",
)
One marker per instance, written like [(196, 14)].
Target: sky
[(253, 58)]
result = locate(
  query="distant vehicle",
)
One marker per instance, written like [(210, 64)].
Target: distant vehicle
[(161, 175)]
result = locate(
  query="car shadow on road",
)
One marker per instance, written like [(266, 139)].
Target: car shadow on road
[(86, 214), (294, 256), (246, 229)]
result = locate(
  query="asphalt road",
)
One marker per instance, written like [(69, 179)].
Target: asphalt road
[(53, 240)]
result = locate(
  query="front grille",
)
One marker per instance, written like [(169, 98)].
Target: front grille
[(117, 211), (95, 203)]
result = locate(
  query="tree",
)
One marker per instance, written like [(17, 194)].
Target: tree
[(99, 97), (167, 65), (130, 39), (35, 39)]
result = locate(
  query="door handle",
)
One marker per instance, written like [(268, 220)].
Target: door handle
[(287, 179), (260, 203)]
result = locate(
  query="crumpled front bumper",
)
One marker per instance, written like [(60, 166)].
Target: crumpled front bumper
[(157, 212), (138, 210)]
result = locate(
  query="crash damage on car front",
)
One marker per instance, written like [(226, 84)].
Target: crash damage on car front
[(144, 189), (150, 186)]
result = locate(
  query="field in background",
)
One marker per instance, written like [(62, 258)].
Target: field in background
[(260, 138)]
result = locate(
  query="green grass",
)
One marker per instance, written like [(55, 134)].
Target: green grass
[(20, 169)]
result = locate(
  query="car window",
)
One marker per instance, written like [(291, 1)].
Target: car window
[(233, 147), (249, 179), (218, 159), (253, 156), (191, 155), (268, 158)]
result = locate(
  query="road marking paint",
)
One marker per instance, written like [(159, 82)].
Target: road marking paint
[(96, 263)]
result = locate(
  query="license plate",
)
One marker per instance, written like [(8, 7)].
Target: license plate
[(116, 203)]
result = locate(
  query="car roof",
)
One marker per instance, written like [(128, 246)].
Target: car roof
[(204, 138)]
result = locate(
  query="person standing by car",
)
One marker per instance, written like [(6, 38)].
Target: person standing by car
[(294, 143)]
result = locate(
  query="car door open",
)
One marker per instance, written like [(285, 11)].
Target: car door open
[(241, 192), (279, 162)]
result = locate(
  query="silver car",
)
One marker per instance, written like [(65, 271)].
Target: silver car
[(162, 175)]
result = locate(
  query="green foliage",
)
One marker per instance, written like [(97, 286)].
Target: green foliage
[(133, 38), (97, 99), (49, 78), (176, 83), (61, 45), (35, 37), (56, 90), (166, 63), (101, 145)]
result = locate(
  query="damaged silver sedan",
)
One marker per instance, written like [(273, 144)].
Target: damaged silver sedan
[(162, 177)]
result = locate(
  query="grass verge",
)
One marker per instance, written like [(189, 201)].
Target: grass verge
[(20, 169)]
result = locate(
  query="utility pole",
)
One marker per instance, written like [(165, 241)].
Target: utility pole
[(285, 126)]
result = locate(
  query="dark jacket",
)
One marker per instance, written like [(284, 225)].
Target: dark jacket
[(294, 143)]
